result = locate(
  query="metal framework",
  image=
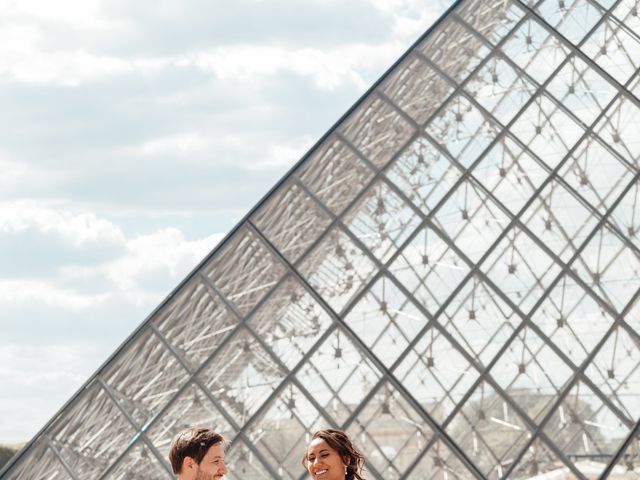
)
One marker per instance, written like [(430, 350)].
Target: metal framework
[(450, 274)]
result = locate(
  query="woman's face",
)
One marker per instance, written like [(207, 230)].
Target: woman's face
[(323, 462)]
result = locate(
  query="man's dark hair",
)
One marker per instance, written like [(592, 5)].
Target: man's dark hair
[(192, 442)]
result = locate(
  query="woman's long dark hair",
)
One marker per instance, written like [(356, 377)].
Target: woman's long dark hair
[(341, 443)]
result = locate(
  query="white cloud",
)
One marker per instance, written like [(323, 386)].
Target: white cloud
[(249, 151), (39, 379), (45, 293), (165, 250), (326, 68), (16, 174), (86, 14), (77, 228)]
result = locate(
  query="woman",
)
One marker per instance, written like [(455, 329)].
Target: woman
[(332, 456)]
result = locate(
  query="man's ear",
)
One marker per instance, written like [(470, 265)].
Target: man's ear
[(188, 463)]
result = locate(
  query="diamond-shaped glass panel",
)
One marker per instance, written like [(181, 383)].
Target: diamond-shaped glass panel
[(424, 174), (472, 220), (138, 463), (500, 88), (510, 173), (462, 130), (572, 18), (145, 377), (521, 269), (385, 320), (391, 431), (581, 89), (583, 426), (337, 269), (479, 320), (609, 267), (242, 376), (292, 221), (381, 220), (429, 269), (560, 220), (195, 322), (535, 50), (454, 49), (531, 373), (338, 376), (191, 408), (547, 130), (92, 433), (615, 49), (572, 320), (291, 322), (335, 175), (417, 88), (489, 430), (437, 374), (377, 131), (284, 430), (493, 19), (596, 175), (244, 270)]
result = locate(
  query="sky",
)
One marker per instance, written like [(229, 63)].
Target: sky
[(134, 136)]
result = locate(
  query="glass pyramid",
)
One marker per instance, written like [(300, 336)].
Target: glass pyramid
[(450, 274)]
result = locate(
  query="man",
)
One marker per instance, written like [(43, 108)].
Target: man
[(198, 454)]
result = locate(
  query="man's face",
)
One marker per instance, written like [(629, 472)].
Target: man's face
[(212, 466)]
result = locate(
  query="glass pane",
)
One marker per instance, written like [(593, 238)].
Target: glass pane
[(417, 88), (391, 431), (377, 131), (196, 322), (489, 431), (338, 376), (41, 463), (521, 269), (429, 269), (454, 49), (615, 49), (244, 271), (535, 50), (145, 377), (291, 221), (242, 376), (291, 322), (381, 220), (335, 175), (572, 18), (91, 434), (337, 269), (385, 320), (192, 408), (284, 430), (139, 464), (243, 464), (424, 174), (462, 131)]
